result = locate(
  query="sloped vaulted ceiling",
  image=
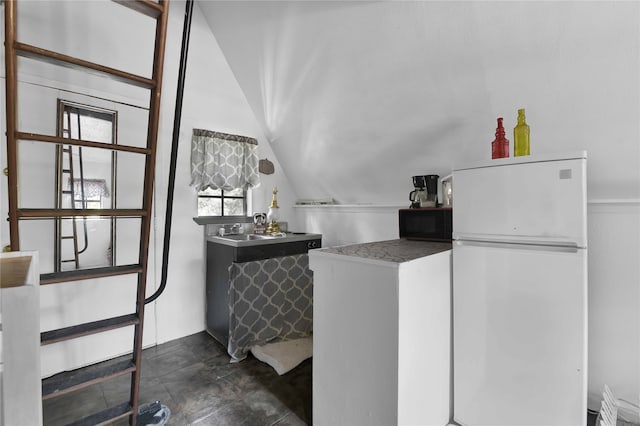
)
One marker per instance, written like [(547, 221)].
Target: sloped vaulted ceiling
[(356, 97)]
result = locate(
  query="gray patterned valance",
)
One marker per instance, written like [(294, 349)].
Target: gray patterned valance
[(223, 161)]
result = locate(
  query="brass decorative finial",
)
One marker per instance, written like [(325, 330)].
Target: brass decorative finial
[(273, 214)]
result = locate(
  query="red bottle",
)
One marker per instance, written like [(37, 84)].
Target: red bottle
[(500, 146)]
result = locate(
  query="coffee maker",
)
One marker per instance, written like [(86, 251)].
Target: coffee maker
[(425, 193)]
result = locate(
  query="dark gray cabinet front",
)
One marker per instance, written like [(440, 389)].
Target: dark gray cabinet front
[(220, 257)]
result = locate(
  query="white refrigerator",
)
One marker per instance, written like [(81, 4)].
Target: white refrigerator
[(520, 292)]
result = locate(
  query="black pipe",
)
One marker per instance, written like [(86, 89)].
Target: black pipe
[(186, 31), (82, 194)]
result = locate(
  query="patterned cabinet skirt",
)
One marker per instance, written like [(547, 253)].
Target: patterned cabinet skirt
[(269, 300)]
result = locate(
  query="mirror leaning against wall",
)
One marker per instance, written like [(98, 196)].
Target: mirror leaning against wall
[(61, 176), (85, 179)]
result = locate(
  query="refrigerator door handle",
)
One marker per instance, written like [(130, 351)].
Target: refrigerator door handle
[(519, 244), (518, 239)]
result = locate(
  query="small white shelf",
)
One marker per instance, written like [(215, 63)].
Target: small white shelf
[(21, 396), (345, 207), (626, 201)]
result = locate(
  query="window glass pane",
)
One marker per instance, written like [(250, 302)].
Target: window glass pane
[(209, 206), (88, 125), (130, 179), (233, 207), (210, 202), (238, 192), (210, 191)]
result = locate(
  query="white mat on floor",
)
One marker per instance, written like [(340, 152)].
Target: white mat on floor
[(284, 356)]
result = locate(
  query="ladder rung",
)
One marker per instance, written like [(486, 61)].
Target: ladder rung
[(55, 58), (70, 381), (67, 237), (67, 192), (145, 7), (51, 213), (105, 417), (86, 329), (83, 274), (66, 170), (80, 142), (68, 260)]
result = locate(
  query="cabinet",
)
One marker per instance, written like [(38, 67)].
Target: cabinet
[(221, 255), (381, 333)]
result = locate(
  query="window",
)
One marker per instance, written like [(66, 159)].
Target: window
[(223, 168), (216, 202), (90, 193)]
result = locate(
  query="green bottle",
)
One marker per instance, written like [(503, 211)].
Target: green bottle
[(521, 136)]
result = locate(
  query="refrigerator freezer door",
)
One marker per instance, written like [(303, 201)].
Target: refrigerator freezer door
[(536, 202), (520, 335)]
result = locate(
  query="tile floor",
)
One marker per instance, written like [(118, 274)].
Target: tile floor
[(193, 377)]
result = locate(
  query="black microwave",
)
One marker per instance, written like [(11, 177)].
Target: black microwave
[(426, 224)]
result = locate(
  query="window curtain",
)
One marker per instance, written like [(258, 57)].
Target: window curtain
[(223, 161)]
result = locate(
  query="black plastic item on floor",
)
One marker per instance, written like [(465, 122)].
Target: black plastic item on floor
[(153, 414)]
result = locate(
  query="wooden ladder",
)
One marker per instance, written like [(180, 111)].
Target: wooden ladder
[(68, 195), (159, 11)]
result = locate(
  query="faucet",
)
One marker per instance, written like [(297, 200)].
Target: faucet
[(226, 229)]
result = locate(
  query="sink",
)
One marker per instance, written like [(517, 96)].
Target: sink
[(244, 240), (260, 237), (247, 237)]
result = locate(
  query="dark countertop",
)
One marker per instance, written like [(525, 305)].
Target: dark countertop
[(394, 251), (244, 241)]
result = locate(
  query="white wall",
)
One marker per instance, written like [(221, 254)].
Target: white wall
[(614, 298), (350, 224)]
